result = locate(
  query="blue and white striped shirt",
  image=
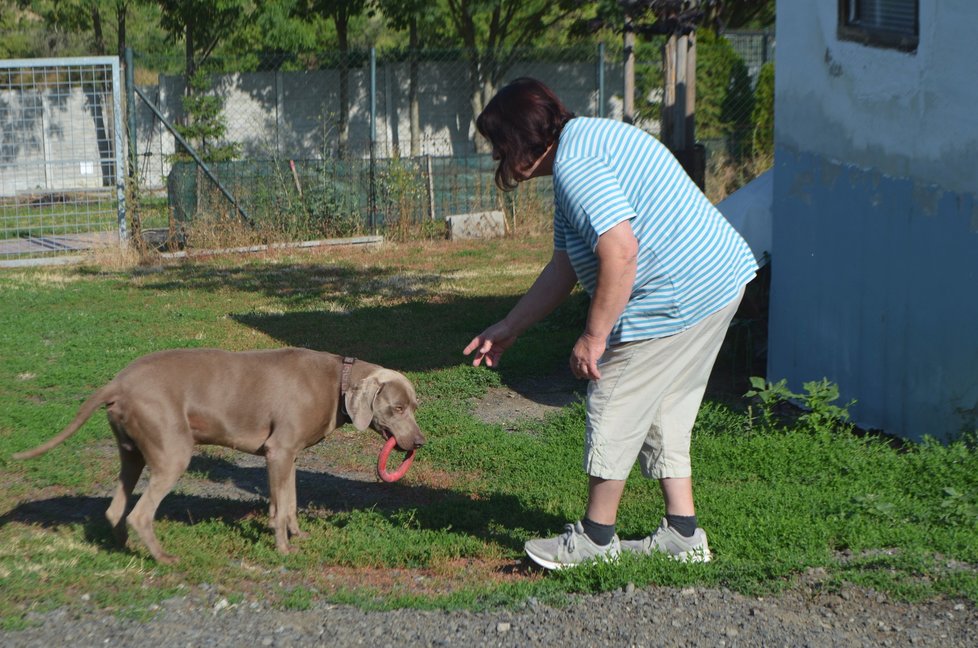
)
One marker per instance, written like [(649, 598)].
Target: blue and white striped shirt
[(691, 261)]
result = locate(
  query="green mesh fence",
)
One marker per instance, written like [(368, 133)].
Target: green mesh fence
[(333, 197)]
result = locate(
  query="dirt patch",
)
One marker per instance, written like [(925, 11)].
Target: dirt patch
[(528, 399)]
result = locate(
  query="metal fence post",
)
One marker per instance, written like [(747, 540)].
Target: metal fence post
[(193, 153), (120, 146), (373, 141)]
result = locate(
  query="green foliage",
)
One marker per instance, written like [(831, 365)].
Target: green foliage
[(724, 97), (329, 204), (402, 195), (648, 79), (491, 33), (763, 116), (205, 125), (183, 21), (819, 414), (331, 211)]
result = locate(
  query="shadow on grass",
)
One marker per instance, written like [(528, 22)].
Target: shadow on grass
[(490, 518), (416, 325)]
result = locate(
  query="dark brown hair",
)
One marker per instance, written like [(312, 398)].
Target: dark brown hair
[(521, 121)]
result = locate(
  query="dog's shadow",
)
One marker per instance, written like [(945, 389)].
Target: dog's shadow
[(489, 517)]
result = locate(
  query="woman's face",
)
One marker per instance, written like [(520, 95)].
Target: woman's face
[(542, 166)]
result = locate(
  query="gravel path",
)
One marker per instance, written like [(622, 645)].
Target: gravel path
[(804, 616)]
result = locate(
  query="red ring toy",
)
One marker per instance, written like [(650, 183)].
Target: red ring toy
[(382, 462)]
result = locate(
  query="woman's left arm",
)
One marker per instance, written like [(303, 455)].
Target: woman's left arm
[(617, 252)]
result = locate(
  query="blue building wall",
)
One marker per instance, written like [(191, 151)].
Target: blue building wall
[(875, 287)]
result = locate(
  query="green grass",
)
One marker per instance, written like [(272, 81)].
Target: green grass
[(776, 502), (79, 213)]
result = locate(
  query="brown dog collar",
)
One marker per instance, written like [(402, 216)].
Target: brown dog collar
[(345, 383)]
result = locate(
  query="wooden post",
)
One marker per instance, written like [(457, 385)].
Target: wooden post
[(679, 104), (628, 108)]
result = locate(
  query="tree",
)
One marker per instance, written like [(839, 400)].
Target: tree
[(651, 18), (341, 12), (201, 24), (202, 123), (763, 116), (492, 32), (15, 42), (87, 17), (725, 99), (740, 14), (411, 15)]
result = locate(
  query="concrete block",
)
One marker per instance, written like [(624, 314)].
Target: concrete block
[(489, 224)]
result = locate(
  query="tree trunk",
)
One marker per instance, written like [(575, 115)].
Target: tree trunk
[(99, 37), (414, 107), (120, 21), (481, 91), (189, 64), (628, 101), (342, 33)]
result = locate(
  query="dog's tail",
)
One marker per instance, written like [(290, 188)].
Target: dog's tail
[(85, 412)]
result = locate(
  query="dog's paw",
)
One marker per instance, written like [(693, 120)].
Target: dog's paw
[(166, 559), (285, 549)]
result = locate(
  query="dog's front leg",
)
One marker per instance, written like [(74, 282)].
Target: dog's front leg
[(281, 476), (290, 491)]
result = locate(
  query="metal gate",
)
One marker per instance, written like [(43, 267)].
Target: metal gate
[(62, 157)]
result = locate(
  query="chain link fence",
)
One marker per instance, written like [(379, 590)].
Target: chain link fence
[(319, 141), (60, 157), (299, 146)]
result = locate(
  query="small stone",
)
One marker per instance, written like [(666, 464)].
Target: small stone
[(630, 589), (503, 626)]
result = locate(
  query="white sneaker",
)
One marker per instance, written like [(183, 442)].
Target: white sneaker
[(570, 548), (669, 541)]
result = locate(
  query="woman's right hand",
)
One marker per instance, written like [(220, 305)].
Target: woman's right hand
[(490, 344)]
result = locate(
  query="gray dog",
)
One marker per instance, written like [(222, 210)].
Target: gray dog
[(271, 403)]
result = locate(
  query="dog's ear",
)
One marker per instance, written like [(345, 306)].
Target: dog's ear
[(360, 402)]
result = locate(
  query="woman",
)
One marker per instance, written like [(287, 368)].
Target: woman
[(665, 273)]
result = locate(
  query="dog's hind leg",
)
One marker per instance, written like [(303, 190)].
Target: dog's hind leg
[(132, 464), (165, 467)]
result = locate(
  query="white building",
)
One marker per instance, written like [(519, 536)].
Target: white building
[(875, 209)]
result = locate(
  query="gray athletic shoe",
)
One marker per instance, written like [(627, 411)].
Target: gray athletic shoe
[(669, 541), (570, 548)]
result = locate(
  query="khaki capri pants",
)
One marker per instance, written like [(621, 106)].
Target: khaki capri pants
[(645, 403)]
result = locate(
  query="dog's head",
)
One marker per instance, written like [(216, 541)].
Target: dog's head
[(385, 401)]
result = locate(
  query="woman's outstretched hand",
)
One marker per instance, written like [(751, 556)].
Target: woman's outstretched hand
[(490, 344)]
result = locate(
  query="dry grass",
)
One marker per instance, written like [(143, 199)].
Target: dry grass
[(724, 176)]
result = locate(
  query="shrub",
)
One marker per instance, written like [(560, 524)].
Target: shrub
[(724, 98), (763, 116)]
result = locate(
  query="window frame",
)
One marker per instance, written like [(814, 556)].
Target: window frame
[(875, 37)]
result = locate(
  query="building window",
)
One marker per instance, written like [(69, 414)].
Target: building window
[(881, 23)]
